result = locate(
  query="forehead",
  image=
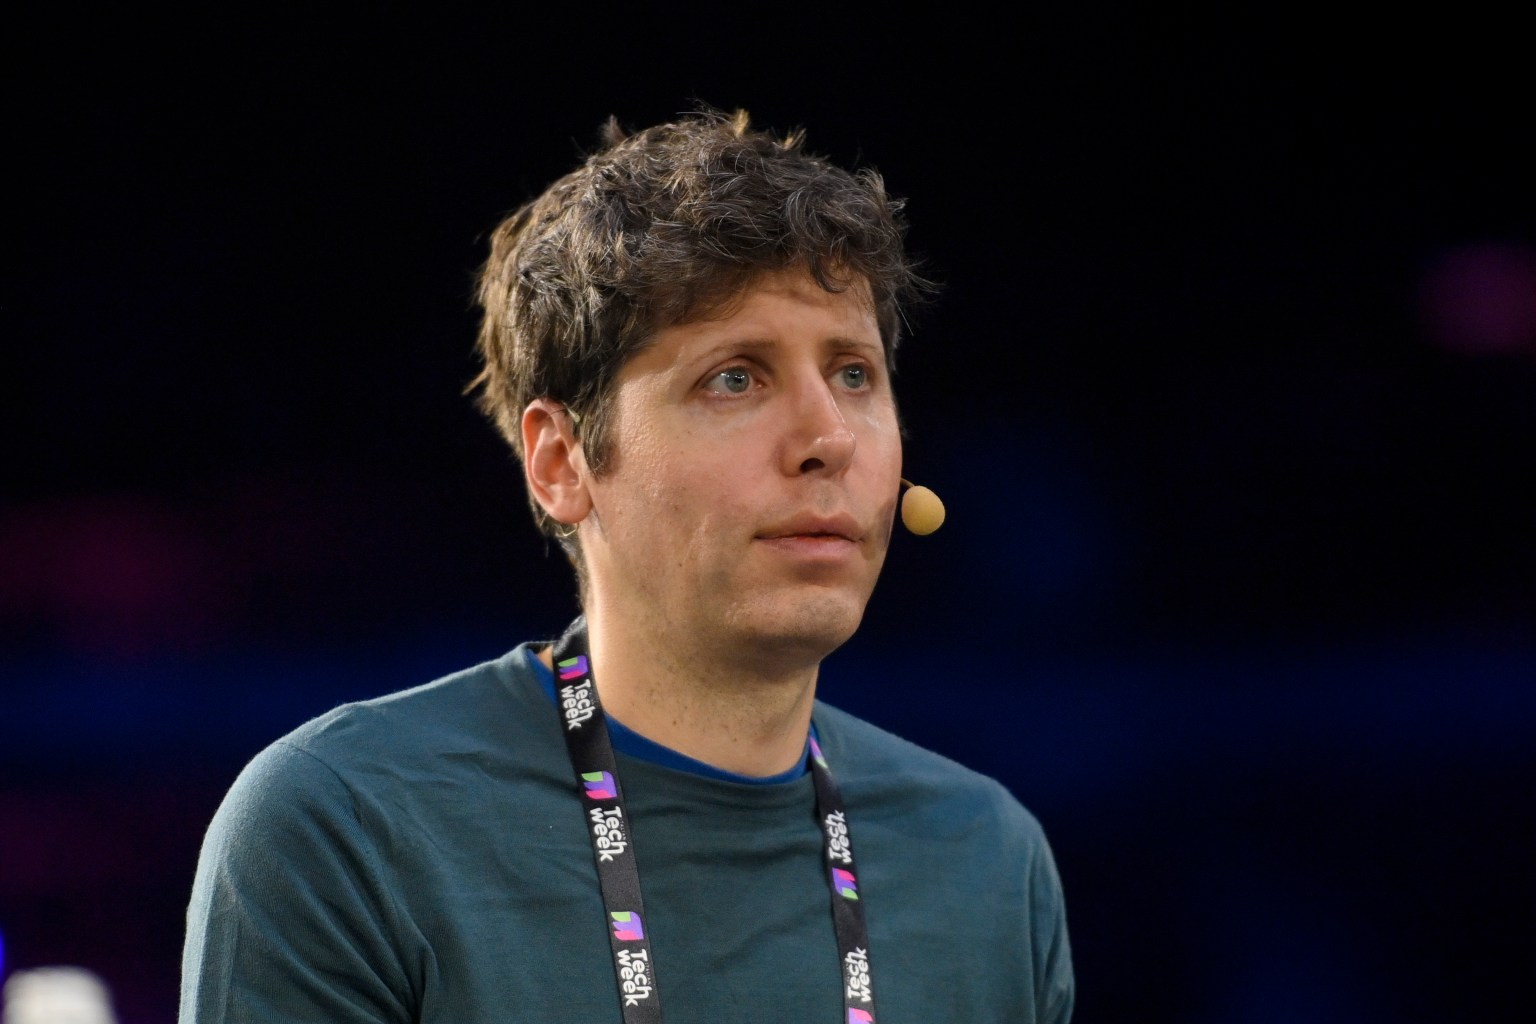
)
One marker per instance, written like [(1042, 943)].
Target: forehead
[(795, 283), (777, 303)]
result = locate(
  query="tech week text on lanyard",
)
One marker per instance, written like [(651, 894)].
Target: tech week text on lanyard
[(597, 779)]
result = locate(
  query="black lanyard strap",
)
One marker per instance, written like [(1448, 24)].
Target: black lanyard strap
[(602, 800)]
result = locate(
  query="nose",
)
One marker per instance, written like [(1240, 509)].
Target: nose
[(819, 440)]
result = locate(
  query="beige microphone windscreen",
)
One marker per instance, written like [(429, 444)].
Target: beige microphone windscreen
[(921, 510)]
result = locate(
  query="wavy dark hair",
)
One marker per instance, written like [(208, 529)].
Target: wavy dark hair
[(664, 226)]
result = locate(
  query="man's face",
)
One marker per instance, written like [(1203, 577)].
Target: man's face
[(749, 502)]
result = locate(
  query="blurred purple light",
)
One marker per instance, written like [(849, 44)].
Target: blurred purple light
[(1481, 298), (118, 576)]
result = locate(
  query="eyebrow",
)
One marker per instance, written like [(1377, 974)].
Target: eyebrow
[(835, 343)]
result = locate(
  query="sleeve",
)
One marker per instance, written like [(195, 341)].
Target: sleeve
[(291, 917), (1055, 983)]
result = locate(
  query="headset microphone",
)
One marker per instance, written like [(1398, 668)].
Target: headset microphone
[(921, 509)]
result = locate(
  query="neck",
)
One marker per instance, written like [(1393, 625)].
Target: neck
[(728, 712)]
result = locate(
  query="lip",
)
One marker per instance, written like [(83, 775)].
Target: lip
[(807, 550), (814, 528)]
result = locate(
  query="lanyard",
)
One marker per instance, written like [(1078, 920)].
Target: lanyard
[(608, 826)]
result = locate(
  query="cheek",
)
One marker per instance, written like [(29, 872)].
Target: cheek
[(879, 440), (695, 481)]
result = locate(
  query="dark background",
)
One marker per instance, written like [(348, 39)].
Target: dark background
[(1231, 395)]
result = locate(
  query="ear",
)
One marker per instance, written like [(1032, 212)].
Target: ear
[(553, 462)]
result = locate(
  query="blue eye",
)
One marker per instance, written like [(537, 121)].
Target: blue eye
[(855, 376), (735, 381)]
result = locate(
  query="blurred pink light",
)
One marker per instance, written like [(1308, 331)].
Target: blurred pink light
[(1481, 299), (119, 575)]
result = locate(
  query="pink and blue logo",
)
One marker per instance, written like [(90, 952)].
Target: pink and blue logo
[(857, 1016), (600, 786), (846, 885), (573, 668), (627, 926)]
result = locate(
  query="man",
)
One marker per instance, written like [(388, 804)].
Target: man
[(687, 340)]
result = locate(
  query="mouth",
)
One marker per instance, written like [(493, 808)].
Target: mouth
[(835, 528)]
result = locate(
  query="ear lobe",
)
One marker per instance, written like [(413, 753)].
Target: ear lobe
[(553, 462)]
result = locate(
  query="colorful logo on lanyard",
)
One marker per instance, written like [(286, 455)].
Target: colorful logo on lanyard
[(627, 926), (578, 705), (599, 785)]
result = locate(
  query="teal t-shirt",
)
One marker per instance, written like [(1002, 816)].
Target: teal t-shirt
[(424, 857)]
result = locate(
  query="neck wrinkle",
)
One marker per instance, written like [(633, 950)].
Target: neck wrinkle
[(678, 695)]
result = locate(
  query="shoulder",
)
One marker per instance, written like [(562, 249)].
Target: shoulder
[(466, 709), (350, 755), (305, 903), (937, 832), (895, 775)]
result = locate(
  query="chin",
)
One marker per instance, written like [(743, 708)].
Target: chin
[(805, 627)]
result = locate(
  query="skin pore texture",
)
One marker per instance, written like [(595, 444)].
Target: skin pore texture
[(734, 539)]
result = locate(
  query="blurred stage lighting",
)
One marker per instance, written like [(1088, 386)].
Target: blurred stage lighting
[(57, 995), (1480, 299)]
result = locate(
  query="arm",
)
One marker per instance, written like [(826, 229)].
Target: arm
[(291, 916), (1055, 984)]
